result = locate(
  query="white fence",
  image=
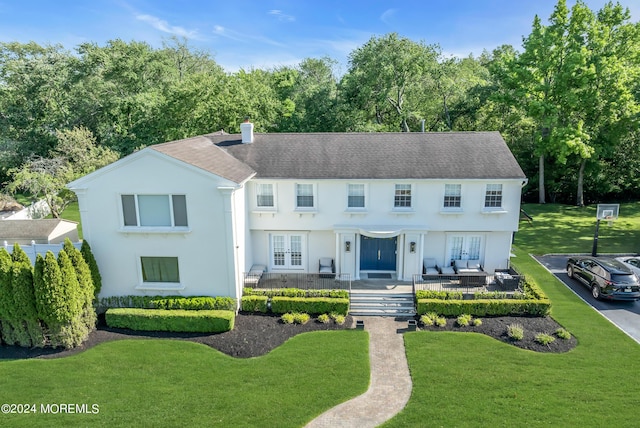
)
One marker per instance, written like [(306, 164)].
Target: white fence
[(32, 250)]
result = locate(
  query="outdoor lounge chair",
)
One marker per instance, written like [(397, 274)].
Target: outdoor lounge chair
[(326, 268), (430, 267), (467, 266)]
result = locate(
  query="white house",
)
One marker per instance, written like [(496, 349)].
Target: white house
[(192, 216)]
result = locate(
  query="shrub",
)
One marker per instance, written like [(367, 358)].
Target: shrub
[(544, 338), (440, 321), (296, 292), (463, 320), (310, 305), (426, 320), (85, 249), (485, 307), (324, 318), (563, 334), (515, 331), (206, 321), (192, 303), (301, 318), (439, 295), (287, 318), (477, 322), (490, 295), (254, 303), (338, 318)]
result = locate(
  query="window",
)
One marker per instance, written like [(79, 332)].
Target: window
[(264, 195), (493, 196), (356, 196), (452, 195), (160, 269), (402, 196), (304, 196), (154, 210)]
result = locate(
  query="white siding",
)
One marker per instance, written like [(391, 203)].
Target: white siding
[(205, 252)]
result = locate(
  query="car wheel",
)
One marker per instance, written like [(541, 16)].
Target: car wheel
[(595, 291), (570, 271)]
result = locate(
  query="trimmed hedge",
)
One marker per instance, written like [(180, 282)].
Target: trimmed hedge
[(309, 305), (196, 303), (295, 292), (485, 307), (175, 320), (254, 303), (451, 304), (441, 295)]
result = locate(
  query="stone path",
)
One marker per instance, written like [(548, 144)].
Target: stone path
[(390, 383)]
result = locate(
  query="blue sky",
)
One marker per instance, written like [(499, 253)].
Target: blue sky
[(271, 33)]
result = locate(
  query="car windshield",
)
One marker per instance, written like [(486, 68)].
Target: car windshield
[(623, 278)]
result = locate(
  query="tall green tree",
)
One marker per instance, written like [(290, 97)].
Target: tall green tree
[(383, 77), (35, 99), (7, 306), (27, 329), (576, 80), (88, 257)]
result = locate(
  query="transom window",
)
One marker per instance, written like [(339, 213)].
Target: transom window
[(154, 210), (493, 196), (304, 196), (265, 195), (402, 197), (160, 269), (356, 196), (452, 195)]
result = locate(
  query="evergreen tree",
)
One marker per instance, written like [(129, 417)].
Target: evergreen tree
[(28, 331), (93, 267), (83, 274), (6, 297)]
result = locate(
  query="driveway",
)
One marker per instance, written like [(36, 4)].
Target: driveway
[(625, 315)]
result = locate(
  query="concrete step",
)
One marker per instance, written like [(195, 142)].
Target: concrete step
[(382, 303)]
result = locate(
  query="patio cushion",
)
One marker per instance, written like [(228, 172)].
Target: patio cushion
[(429, 262), (448, 270), (326, 262)]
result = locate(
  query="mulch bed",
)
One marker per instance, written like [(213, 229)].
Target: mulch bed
[(255, 335)]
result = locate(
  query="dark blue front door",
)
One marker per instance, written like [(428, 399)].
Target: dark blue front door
[(378, 253)]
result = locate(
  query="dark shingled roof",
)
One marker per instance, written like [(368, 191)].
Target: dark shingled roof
[(446, 155)]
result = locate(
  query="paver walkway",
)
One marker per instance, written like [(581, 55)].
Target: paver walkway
[(390, 383)]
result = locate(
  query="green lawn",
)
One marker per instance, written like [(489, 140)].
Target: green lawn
[(459, 379), (466, 379), (178, 383), (569, 229)]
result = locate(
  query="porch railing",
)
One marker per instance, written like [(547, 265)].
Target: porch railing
[(303, 281), (469, 283)]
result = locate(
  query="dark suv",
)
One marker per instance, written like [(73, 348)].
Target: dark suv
[(607, 278)]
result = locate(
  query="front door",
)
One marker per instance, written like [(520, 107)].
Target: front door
[(378, 253)]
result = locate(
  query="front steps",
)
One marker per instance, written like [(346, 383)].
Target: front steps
[(382, 303)]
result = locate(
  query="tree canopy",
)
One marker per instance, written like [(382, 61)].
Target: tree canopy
[(567, 103)]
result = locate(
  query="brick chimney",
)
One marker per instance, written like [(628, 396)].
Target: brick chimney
[(246, 129)]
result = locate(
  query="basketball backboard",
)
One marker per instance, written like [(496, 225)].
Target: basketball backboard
[(608, 212)]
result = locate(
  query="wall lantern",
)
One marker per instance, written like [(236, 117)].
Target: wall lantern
[(412, 247), (347, 246)]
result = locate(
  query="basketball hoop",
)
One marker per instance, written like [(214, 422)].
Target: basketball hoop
[(608, 213), (609, 220)]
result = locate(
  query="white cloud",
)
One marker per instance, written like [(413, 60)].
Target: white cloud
[(162, 25), (221, 31), (281, 16)]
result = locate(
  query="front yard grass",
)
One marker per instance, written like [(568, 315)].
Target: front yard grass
[(465, 379), (179, 383)]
